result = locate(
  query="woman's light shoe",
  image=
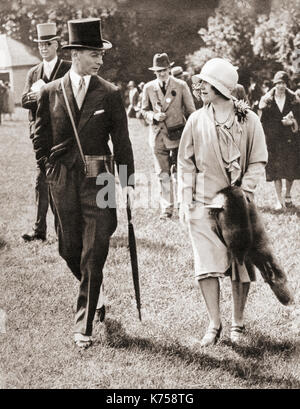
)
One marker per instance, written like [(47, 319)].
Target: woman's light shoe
[(82, 341), (211, 336), (279, 205), (288, 201), (237, 334)]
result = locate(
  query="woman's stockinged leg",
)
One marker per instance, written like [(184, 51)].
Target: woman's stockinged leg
[(210, 289), (239, 298), (278, 188), (288, 198)]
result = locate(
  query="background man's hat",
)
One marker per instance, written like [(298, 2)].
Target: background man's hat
[(86, 34), (46, 32), (280, 76), (161, 62), (176, 71)]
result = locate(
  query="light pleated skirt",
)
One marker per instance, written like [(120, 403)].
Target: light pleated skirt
[(211, 256)]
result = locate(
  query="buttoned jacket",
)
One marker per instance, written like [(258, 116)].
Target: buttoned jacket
[(102, 118), (177, 103), (34, 74)]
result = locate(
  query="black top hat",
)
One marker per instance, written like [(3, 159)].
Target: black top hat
[(46, 32), (161, 62), (86, 33)]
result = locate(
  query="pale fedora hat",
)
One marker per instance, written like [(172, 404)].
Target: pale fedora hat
[(176, 71), (219, 73), (161, 62), (46, 32)]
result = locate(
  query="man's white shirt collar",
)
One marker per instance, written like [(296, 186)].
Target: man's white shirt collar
[(160, 83), (75, 79), (49, 65)]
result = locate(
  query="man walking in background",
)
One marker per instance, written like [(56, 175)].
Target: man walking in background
[(71, 145), (51, 68), (166, 103)]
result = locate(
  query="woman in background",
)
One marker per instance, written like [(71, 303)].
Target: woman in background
[(9, 102), (280, 117)]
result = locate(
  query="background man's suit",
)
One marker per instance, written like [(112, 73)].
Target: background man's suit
[(41, 187), (84, 229), (177, 103)]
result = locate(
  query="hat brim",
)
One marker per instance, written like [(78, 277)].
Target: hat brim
[(106, 46), (279, 80), (221, 88), (37, 40), (161, 68)]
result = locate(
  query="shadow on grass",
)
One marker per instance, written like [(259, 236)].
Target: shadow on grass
[(262, 344), (3, 243), (252, 371), (289, 210), (122, 241)]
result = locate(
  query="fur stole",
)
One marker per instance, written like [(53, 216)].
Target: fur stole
[(246, 238)]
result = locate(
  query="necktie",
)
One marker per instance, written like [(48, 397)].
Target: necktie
[(163, 88), (80, 93)]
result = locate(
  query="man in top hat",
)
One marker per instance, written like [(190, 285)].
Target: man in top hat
[(51, 68), (84, 203), (166, 103)]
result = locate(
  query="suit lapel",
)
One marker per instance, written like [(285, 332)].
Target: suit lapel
[(69, 93), (159, 96), (39, 71), (55, 70), (90, 102), (168, 98)]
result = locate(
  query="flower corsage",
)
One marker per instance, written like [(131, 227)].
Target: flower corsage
[(241, 109)]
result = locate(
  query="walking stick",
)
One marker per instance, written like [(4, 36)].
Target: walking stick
[(133, 258)]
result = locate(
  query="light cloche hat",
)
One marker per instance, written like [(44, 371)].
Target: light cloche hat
[(219, 73)]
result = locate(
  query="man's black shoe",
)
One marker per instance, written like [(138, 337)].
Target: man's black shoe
[(100, 314), (34, 236)]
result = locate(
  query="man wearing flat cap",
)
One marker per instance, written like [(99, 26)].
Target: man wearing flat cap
[(76, 117), (51, 68), (166, 103)]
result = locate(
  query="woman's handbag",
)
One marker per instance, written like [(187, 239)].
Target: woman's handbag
[(175, 132), (93, 164)]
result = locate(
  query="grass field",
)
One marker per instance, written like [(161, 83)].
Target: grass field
[(38, 293)]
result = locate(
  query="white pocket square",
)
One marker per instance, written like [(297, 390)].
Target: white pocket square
[(99, 112)]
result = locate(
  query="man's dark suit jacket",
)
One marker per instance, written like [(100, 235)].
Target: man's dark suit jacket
[(102, 116), (34, 74)]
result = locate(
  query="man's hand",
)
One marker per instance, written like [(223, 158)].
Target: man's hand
[(159, 116)]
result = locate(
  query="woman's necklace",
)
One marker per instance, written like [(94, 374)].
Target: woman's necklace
[(224, 122)]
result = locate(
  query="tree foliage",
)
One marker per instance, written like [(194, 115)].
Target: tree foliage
[(137, 28), (277, 36), (259, 40)]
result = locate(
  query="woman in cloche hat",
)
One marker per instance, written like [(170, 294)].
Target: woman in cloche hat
[(222, 144), (280, 119)]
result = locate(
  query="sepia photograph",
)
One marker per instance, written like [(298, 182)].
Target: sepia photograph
[(150, 197)]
